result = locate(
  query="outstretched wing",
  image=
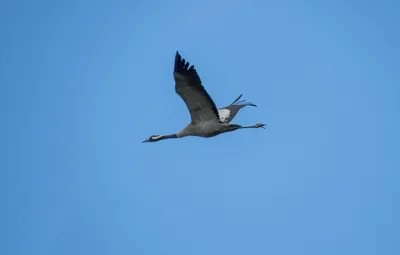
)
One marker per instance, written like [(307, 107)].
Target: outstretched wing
[(226, 114), (188, 86)]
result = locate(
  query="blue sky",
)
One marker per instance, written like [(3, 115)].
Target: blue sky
[(82, 83)]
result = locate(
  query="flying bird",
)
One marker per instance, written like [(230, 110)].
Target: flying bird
[(206, 119)]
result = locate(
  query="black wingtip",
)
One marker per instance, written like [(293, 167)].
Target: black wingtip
[(177, 55), (178, 62), (181, 65)]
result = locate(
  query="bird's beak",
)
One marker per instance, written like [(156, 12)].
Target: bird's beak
[(145, 141)]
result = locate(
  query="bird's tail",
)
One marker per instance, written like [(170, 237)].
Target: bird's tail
[(242, 102)]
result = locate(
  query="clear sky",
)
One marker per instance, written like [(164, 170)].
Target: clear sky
[(82, 83)]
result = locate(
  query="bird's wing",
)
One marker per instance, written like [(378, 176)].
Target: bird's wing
[(188, 86), (227, 113)]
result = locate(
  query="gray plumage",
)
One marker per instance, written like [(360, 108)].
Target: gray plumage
[(206, 119), (233, 109), (188, 86)]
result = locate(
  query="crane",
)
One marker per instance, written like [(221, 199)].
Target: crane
[(206, 119)]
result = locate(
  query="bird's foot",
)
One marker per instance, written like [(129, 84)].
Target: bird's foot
[(259, 125)]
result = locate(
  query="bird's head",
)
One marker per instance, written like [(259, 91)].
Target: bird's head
[(153, 138)]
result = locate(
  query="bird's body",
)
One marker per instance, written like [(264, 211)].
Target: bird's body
[(206, 119), (206, 129)]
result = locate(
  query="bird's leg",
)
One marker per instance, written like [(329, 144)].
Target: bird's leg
[(259, 125)]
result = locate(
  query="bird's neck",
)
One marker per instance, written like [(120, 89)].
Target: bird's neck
[(168, 137)]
